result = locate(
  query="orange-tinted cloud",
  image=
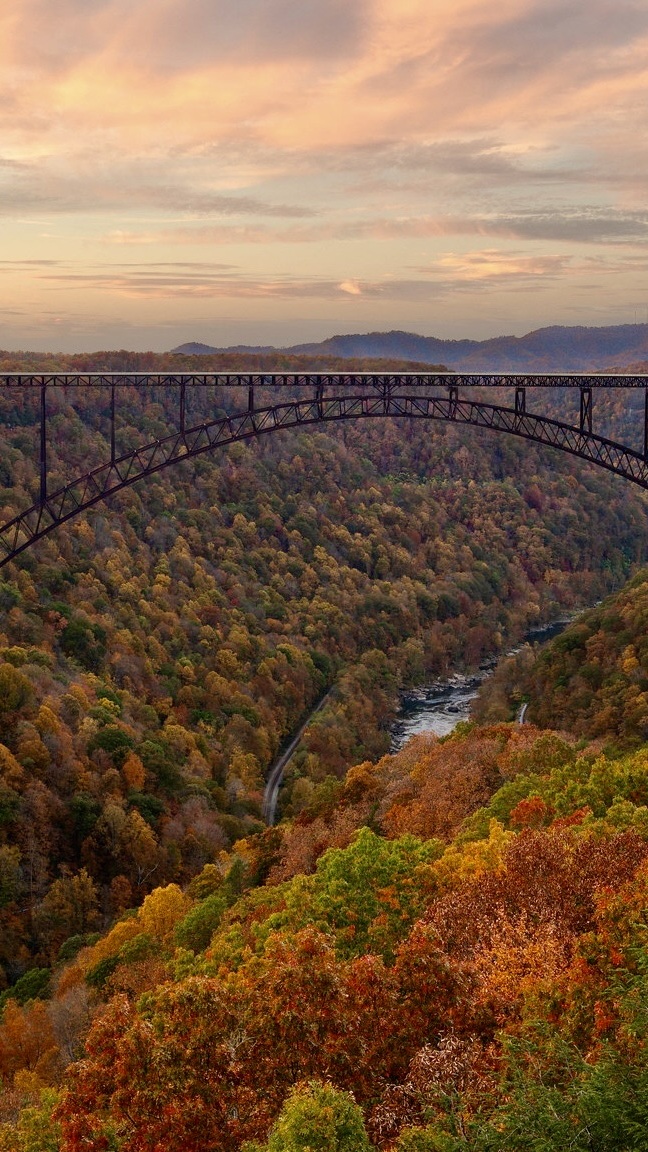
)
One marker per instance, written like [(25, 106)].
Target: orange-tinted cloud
[(333, 144)]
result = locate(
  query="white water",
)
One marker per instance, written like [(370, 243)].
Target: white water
[(440, 706)]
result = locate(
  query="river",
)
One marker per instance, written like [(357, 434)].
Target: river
[(436, 708), (440, 706)]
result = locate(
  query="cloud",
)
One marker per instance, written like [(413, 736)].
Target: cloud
[(196, 280), (492, 265), (169, 77), (534, 63), (28, 265), (200, 235), (371, 141), (538, 38), (583, 225), (469, 272), (165, 36), (471, 163), (151, 283), (194, 73), (86, 184)]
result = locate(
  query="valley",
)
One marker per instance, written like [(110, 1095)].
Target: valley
[(156, 656), (323, 576)]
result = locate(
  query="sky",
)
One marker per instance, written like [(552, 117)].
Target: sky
[(277, 171)]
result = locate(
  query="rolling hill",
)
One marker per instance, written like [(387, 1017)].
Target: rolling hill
[(547, 349)]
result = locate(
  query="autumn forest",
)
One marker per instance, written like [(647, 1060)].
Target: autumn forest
[(435, 950)]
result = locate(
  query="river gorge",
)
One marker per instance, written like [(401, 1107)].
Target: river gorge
[(440, 706)]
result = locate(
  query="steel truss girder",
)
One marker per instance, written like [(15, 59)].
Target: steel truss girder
[(119, 473), (277, 380)]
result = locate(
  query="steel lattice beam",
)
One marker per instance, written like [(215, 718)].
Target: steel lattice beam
[(322, 379), (330, 397)]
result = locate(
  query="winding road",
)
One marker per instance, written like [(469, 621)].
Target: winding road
[(275, 775)]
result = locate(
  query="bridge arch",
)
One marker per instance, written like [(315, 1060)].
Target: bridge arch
[(329, 399)]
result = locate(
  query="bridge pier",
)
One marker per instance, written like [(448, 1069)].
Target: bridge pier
[(586, 410), (43, 443), (645, 438), (520, 401), (112, 425), (183, 407)]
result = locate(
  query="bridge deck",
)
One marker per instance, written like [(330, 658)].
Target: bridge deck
[(332, 379)]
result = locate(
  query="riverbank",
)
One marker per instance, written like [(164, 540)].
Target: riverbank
[(440, 706), (436, 708)]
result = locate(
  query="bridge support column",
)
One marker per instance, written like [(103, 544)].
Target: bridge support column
[(319, 400), (586, 410), (520, 401), (112, 425), (43, 443), (251, 398), (453, 396), (183, 407)]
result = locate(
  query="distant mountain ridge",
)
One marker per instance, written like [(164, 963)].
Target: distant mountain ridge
[(546, 349)]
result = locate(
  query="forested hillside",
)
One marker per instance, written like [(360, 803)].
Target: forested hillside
[(157, 652), (154, 656), (384, 988), (594, 678), (591, 681)]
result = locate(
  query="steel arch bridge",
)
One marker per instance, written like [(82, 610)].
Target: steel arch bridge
[(273, 401)]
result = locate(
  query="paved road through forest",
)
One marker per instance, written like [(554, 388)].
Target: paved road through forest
[(275, 775)]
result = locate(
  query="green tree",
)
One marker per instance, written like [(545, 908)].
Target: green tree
[(199, 925), (35, 1130), (318, 1118), (368, 894), (86, 643)]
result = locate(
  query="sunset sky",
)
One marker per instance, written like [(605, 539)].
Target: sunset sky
[(271, 171)]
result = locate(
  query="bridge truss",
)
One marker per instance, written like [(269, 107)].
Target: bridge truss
[(273, 401)]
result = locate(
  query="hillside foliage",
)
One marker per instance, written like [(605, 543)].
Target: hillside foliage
[(156, 653), (404, 991), (592, 680), (432, 948)]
